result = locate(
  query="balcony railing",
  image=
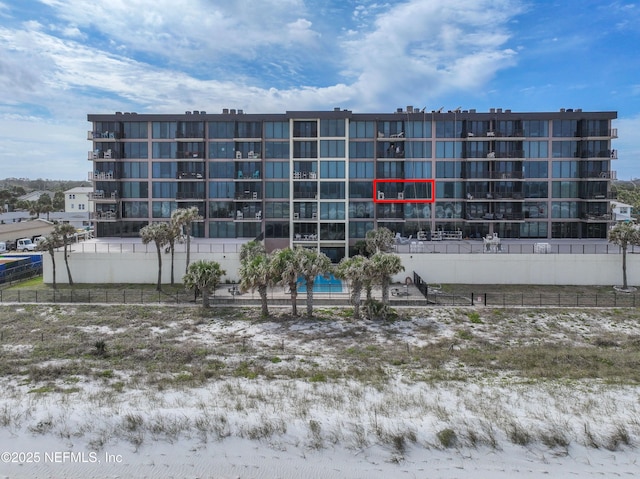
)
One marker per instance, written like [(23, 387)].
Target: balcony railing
[(101, 195), (100, 175), (103, 135), (190, 195), (185, 175), (100, 154)]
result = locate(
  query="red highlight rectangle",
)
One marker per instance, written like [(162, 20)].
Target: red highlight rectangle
[(378, 196)]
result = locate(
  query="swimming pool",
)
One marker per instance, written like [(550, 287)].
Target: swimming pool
[(321, 285)]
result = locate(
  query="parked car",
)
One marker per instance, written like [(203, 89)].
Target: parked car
[(25, 244)]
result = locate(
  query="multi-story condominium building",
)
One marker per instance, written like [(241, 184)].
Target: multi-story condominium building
[(313, 178)]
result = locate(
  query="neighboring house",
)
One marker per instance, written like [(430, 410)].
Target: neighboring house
[(621, 211), (35, 195), (76, 200)]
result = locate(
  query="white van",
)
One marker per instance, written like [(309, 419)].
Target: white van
[(25, 244), (3, 247)]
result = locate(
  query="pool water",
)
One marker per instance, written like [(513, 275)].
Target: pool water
[(321, 285)]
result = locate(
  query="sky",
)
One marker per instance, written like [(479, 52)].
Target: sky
[(63, 59)]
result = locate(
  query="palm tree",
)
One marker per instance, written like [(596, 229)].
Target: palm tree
[(65, 232), (173, 236), (624, 234), (184, 218), (251, 249), (284, 271), (159, 234), (35, 208), (49, 244), (379, 240), (203, 276), (311, 263), (354, 270), (255, 273), (385, 265)]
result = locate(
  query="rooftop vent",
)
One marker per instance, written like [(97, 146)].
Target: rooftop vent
[(232, 111), (409, 108), (225, 111), (187, 112), (398, 110), (337, 108), (240, 112), (202, 112)]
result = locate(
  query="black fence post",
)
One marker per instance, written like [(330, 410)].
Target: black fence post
[(472, 296)]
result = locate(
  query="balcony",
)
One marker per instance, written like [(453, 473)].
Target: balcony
[(190, 196), (185, 175), (103, 135), (104, 216), (100, 175), (98, 154), (305, 175), (247, 195), (242, 175), (101, 197)]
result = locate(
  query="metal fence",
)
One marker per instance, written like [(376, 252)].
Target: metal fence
[(505, 247)]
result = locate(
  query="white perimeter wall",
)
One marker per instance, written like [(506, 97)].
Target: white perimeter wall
[(553, 269)]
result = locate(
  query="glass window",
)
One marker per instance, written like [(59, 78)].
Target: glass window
[(222, 169), (277, 189), (448, 169), (221, 129), (389, 128), (332, 190), (565, 149), (135, 169), (359, 229), (332, 169), (305, 149), (536, 209), (361, 169), (164, 150), (276, 230), (164, 189), (164, 169), (535, 149), (221, 209), (332, 211), (565, 169), (134, 189), (447, 129), (536, 189), (361, 209), (417, 169), (163, 209), (248, 129), (418, 129), (190, 129), (305, 129), (565, 128), (277, 169), (277, 209), (332, 148), (136, 150), (276, 149), (449, 149), (222, 229), (224, 149), (135, 209), (221, 189), (536, 169), (361, 149), (362, 129), (276, 129), (361, 189), (418, 149), (564, 209), (449, 189), (135, 129), (164, 129), (390, 169), (564, 189), (332, 231), (332, 127), (536, 128)]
